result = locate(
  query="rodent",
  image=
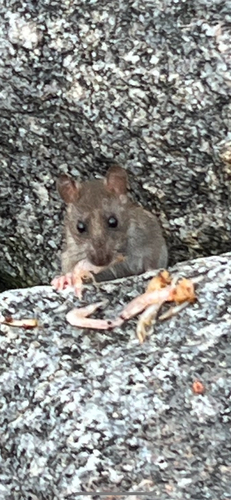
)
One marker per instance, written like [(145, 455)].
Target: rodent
[(102, 224)]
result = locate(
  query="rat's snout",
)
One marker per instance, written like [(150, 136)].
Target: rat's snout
[(100, 256)]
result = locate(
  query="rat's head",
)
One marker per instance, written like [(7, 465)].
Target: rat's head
[(97, 215)]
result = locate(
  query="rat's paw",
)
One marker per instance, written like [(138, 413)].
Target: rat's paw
[(74, 279), (62, 282)]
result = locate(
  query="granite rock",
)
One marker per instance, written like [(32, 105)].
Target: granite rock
[(88, 411), (146, 83)]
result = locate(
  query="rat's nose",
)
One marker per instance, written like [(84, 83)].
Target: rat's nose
[(100, 256)]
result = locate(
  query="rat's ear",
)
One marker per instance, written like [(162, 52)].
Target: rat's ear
[(116, 180), (68, 189)]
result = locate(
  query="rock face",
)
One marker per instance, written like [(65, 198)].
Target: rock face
[(82, 83), (89, 411)]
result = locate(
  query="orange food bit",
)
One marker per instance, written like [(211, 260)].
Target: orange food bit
[(160, 281), (198, 387), (184, 291)]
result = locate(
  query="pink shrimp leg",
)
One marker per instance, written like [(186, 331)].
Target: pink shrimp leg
[(140, 303)]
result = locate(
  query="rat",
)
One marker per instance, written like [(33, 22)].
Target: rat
[(106, 233)]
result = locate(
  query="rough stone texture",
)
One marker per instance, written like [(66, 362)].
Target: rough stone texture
[(144, 82), (95, 411)]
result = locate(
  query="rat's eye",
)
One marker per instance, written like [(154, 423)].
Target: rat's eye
[(112, 221), (81, 226)]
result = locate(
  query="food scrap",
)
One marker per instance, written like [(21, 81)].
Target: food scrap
[(159, 281), (198, 387), (181, 292), (79, 317), (27, 323), (162, 288)]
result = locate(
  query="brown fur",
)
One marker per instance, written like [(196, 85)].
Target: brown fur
[(138, 237)]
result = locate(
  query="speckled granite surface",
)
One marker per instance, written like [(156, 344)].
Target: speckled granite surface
[(145, 82), (89, 411)]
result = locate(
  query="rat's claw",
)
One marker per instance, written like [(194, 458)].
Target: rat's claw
[(62, 282)]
